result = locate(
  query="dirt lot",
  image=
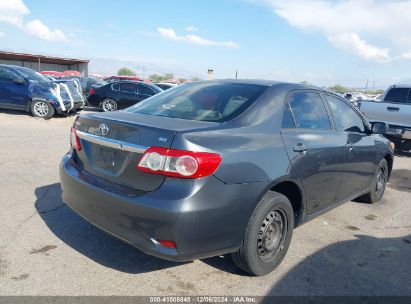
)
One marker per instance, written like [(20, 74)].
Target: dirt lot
[(46, 249)]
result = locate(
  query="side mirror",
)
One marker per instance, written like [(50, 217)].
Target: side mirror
[(379, 128), (19, 80)]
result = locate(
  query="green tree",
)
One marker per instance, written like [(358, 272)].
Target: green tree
[(195, 79), (168, 76), (339, 89), (155, 78), (159, 78), (125, 72)]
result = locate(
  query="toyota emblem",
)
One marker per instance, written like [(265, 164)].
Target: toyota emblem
[(104, 129)]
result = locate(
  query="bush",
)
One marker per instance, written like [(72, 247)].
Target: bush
[(125, 72)]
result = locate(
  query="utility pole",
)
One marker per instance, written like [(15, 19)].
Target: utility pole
[(366, 87)]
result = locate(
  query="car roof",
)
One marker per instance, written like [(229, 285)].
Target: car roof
[(271, 83)]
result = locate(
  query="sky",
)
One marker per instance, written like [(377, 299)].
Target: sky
[(323, 42)]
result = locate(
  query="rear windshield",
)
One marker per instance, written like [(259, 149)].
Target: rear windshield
[(204, 101)]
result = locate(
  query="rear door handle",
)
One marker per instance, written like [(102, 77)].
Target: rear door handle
[(300, 148), (393, 109)]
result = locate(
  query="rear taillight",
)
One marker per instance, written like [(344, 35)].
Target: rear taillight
[(92, 91), (75, 140), (168, 244), (179, 163)]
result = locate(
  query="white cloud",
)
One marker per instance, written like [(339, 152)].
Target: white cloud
[(191, 28), (38, 29), (170, 34), (14, 11), (406, 55), (352, 43), (2, 35), (382, 22)]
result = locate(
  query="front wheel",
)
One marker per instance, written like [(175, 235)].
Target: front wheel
[(42, 109), (109, 105), (378, 184), (268, 235)]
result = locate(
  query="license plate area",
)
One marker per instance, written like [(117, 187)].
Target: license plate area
[(108, 158)]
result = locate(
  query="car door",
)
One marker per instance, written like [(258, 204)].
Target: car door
[(13, 94), (315, 150), (145, 92), (127, 95), (360, 157)]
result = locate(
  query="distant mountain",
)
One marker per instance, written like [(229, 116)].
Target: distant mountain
[(109, 66)]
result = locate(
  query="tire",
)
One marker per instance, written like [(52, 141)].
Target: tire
[(378, 184), (267, 236), (42, 109), (108, 105)]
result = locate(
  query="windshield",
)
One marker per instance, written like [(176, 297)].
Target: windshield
[(204, 101), (33, 75)]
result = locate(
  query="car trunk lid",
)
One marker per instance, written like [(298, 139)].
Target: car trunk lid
[(113, 143)]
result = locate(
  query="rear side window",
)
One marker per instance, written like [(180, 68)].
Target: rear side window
[(115, 87), (128, 87), (345, 117), (145, 90), (397, 95), (203, 101), (309, 110)]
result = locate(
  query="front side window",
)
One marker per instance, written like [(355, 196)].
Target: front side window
[(128, 87), (397, 95), (345, 117), (202, 101), (32, 75), (288, 120), (309, 110)]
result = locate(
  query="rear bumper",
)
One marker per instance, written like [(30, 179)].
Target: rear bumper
[(204, 217), (398, 132)]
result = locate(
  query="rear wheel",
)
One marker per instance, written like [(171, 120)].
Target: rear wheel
[(268, 235), (109, 105), (42, 109), (378, 184)]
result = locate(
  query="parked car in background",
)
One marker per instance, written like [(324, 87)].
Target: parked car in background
[(378, 97), (71, 73), (166, 85), (27, 90), (395, 110), (54, 74), (119, 78), (120, 95), (87, 83), (218, 167)]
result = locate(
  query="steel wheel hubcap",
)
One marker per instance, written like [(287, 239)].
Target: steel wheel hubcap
[(109, 105), (41, 109), (271, 234), (380, 182)]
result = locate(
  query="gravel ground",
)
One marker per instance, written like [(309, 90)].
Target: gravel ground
[(46, 249)]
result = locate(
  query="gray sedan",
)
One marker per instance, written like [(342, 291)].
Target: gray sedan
[(218, 167)]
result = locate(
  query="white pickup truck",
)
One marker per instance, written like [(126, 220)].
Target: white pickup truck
[(395, 110)]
